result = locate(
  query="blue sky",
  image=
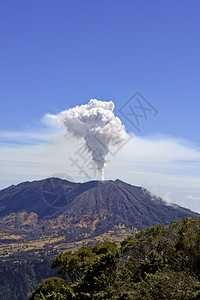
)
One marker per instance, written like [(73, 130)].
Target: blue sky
[(58, 54)]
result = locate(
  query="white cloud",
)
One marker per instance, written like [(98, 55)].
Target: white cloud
[(193, 197), (161, 150)]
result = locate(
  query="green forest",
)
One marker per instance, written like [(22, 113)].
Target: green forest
[(18, 277), (158, 263)]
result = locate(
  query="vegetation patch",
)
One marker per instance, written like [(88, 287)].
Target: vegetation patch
[(157, 263)]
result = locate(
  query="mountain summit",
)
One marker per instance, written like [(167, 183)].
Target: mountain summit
[(79, 210)]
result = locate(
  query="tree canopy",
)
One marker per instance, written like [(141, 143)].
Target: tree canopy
[(158, 263)]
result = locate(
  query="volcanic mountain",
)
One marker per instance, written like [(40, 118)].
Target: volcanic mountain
[(40, 219), (77, 211)]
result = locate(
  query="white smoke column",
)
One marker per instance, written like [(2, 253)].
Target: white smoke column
[(96, 123)]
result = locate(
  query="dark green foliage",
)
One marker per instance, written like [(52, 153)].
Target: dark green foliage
[(163, 262), (19, 278), (160, 263), (52, 288), (88, 273), (164, 285)]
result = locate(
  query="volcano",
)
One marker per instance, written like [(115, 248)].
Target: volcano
[(40, 219), (79, 210)]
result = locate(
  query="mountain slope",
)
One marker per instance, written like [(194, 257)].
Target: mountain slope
[(40, 219), (117, 202), (79, 210)]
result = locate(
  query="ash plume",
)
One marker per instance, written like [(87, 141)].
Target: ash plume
[(97, 125)]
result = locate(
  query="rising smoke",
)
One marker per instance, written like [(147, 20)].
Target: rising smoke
[(97, 125)]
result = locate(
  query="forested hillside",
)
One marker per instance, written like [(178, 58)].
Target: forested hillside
[(18, 278), (159, 263)]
